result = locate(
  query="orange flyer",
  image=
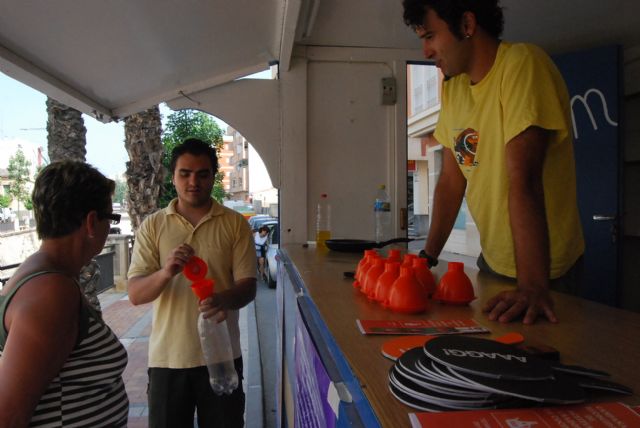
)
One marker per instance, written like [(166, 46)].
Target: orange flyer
[(592, 415), (422, 327)]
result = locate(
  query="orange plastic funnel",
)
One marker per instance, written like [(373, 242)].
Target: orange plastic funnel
[(195, 269), (455, 286), (203, 288)]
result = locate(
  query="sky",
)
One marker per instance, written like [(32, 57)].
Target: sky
[(23, 122)]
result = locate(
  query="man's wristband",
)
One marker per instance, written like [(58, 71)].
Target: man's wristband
[(431, 261)]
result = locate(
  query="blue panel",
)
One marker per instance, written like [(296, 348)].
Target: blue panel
[(593, 81)]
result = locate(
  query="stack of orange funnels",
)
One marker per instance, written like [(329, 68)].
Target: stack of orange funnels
[(363, 265), (386, 280), (371, 277), (407, 295), (401, 284), (424, 275)]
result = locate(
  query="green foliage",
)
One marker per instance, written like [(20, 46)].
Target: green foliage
[(28, 203), (185, 124), (120, 192), (19, 175), (5, 201)]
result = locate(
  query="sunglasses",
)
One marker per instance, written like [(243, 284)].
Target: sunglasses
[(114, 218)]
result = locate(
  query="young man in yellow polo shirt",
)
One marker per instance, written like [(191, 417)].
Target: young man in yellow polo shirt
[(505, 126), (192, 224)]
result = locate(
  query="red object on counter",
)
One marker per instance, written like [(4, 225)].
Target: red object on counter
[(455, 286), (364, 261), (371, 277), (424, 275), (386, 280), (407, 295)]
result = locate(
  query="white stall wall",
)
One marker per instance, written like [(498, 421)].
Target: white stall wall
[(348, 143)]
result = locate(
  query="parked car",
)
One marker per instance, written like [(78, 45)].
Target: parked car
[(257, 217), (273, 243), (255, 225)]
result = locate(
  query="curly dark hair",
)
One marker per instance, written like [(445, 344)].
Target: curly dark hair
[(64, 193), (196, 147), (488, 14)]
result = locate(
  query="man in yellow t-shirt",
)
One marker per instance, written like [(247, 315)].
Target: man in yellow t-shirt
[(505, 127), (192, 224)]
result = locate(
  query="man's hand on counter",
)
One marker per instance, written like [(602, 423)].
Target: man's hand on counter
[(508, 305)]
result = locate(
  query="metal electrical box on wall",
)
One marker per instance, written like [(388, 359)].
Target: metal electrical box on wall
[(389, 94)]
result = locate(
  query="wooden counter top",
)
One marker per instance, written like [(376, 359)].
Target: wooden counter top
[(588, 334)]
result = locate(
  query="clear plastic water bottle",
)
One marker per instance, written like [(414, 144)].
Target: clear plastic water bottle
[(323, 221), (382, 213), (216, 348)]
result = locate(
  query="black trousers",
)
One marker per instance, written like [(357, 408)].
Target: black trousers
[(175, 394)]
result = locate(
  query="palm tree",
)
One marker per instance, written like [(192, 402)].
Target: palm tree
[(66, 134), (145, 173), (66, 139)]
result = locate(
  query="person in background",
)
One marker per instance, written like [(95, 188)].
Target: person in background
[(192, 224), (60, 364), (505, 124), (260, 240)]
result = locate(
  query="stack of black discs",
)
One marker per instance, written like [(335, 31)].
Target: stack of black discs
[(468, 373)]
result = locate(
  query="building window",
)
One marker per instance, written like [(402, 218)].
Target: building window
[(424, 87)]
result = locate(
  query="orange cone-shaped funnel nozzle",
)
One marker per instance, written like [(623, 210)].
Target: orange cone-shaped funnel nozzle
[(203, 288)]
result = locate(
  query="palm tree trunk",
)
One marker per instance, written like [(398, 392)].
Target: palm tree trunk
[(66, 133), (145, 173), (67, 139)]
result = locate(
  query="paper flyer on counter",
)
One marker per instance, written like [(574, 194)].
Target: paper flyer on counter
[(592, 415), (424, 327)]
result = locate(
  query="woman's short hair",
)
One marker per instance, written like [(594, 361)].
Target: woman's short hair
[(64, 193), (488, 14)]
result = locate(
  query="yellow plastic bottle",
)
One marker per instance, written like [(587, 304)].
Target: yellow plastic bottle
[(323, 222)]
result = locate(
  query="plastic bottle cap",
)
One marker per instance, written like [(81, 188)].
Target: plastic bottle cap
[(323, 195), (195, 269), (382, 186)]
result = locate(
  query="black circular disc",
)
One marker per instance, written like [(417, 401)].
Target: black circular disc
[(484, 357)]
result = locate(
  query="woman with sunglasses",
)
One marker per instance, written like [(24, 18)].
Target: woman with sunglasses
[(60, 364)]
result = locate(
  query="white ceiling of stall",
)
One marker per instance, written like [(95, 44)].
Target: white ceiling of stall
[(118, 57)]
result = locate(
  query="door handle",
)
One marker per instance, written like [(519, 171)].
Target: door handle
[(603, 217), (612, 219)]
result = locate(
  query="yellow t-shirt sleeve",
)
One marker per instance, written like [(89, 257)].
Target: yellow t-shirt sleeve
[(533, 93)]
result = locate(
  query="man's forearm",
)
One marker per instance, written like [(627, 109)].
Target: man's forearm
[(446, 203), (145, 289), (530, 235), (242, 293)]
